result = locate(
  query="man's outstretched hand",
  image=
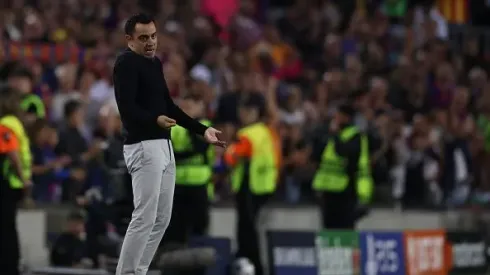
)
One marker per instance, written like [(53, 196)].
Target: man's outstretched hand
[(211, 136), (166, 122)]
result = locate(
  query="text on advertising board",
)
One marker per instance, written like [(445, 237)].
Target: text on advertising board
[(381, 253), (424, 252), (338, 253)]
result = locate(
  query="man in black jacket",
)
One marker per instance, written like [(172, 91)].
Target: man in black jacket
[(147, 113)]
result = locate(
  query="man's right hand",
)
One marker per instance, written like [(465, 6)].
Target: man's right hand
[(166, 122)]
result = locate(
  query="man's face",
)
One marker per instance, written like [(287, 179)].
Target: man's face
[(144, 39), (23, 84), (198, 108), (340, 118), (461, 97), (248, 115), (362, 102), (52, 137), (379, 88), (77, 227), (78, 117), (193, 108), (334, 80)]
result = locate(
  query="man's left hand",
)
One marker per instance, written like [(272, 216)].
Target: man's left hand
[(211, 137)]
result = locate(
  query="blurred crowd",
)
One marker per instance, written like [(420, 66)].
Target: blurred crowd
[(424, 103)]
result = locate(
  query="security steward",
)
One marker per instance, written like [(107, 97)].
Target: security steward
[(255, 162), (10, 195), (194, 161), (10, 117), (343, 178), (22, 80)]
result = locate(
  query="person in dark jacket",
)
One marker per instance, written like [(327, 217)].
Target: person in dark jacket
[(69, 250)]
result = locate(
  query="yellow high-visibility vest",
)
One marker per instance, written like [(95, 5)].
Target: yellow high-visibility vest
[(263, 168), (332, 176), (196, 170), (14, 124)]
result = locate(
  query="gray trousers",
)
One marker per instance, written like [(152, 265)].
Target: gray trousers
[(152, 167)]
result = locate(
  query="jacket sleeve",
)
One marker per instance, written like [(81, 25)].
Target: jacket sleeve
[(240, 149), (180, 116)]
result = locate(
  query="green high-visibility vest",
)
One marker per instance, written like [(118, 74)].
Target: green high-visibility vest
[(196, 170), (14, 124), (32, 100), (331, 175), (262, 167)]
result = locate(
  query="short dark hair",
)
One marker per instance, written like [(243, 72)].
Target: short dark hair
[(359, 93), (76, 216), (347, 109), (255, 101), (21, 71), (71, 107), (140, 18)]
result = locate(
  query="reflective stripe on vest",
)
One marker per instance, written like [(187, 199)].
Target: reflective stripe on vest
[(331, 175), (263, 167), (14, 124), (210, 191), (34, 100), (195, 170)]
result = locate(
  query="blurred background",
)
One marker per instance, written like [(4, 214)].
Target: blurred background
[(417, 72)]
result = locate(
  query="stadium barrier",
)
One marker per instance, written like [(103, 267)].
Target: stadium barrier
[(34, 226), (411, 252)]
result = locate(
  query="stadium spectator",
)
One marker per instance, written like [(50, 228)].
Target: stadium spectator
[(74, 144), (66, 79), (22, 79), (49, 169), (69, 249)]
